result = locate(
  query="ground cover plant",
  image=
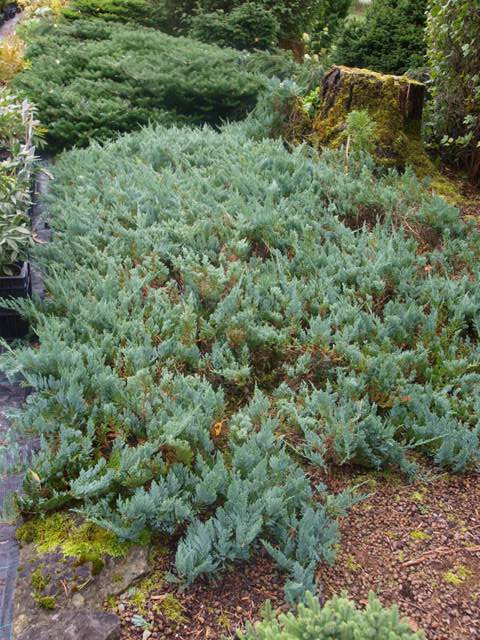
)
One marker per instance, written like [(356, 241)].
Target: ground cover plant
[(230, 322), (248, 25), (93, 79), (221, 310), (143, 12)]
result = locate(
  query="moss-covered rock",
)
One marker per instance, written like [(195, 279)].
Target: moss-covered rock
[(84, 541), (67, 563)]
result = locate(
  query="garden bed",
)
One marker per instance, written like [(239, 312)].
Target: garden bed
[(417, 545), (257, 368), (232, 315)]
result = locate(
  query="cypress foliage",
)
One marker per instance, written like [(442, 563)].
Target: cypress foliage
[(143, 12), (338, 619)]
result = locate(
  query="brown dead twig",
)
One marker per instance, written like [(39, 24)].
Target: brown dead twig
[(439, 550)]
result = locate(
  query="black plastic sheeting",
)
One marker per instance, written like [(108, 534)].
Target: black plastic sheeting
[(12, 396)]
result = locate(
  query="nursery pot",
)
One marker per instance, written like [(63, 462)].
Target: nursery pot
[(12, 325)]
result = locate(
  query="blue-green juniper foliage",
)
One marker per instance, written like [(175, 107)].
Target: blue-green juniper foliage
[(223, 313)]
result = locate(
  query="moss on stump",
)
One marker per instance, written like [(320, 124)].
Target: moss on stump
[(394, 103)]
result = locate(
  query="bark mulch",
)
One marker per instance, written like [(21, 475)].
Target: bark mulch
[(414, 544), (419, 546)]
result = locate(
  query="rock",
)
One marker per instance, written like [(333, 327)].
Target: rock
[(394, 103), (70, 585), (75, 625), (118, 575), (77, 601)]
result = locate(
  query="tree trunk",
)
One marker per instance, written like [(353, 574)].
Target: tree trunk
[(394, 103)]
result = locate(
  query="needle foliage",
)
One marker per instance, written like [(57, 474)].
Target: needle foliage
[(224, 315)]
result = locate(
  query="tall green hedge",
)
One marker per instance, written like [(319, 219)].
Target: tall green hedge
[(294, 16), (453, 36), (390, 38), (93, 79)]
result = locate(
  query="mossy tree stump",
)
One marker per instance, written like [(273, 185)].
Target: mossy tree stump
[(395, 104)]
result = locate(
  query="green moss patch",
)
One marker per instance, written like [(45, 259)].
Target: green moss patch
[(419, 535), (86, 542), (172, 609), (46, 602), (139, 595), (39, 580), (457, 576)]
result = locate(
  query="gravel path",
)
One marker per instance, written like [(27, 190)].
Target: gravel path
[(9, 27), (11, 396)]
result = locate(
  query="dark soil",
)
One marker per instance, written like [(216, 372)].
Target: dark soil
[(417, 545), (470, 206)]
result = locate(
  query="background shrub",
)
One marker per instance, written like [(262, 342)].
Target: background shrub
[(248, 26), (338, 619), (144, 12), (294, 16), (12, 57), (390, 38), (453, 37), (327, 22), (92, 79)]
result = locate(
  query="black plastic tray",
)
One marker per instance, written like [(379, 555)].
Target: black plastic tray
[(18, 286), (12, 325)]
